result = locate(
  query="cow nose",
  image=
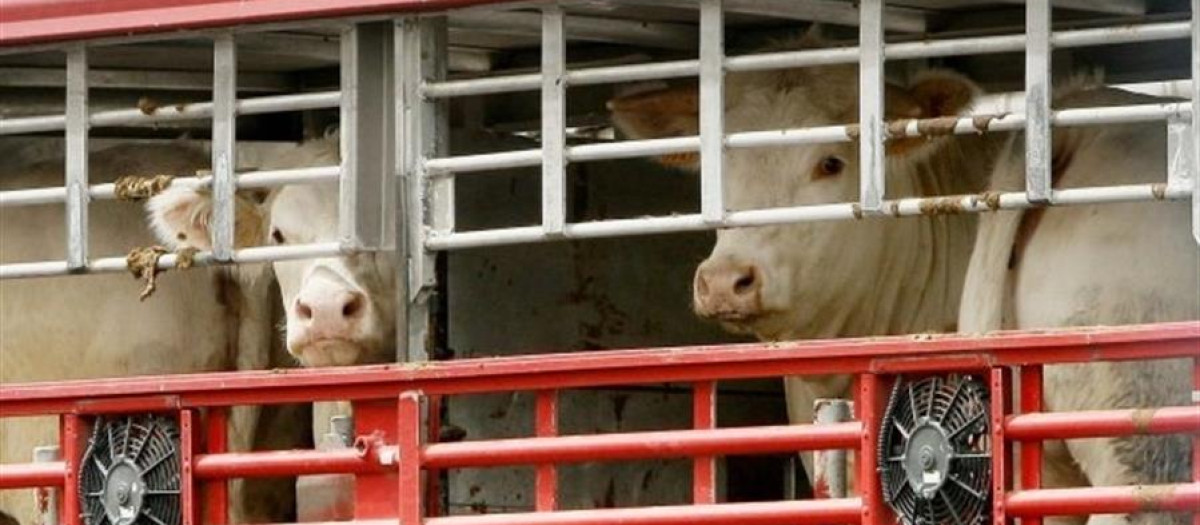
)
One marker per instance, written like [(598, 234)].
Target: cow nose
[(730, 292), (332, 312)]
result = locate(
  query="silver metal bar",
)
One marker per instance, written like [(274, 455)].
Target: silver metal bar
[(969, 124), (258, 254), (173, 113), (829, 466), (712, 110), (143, 80), (554, 119), (662, 35), (224, 145), (819, 11), (254, 179), (1195, 120), (871, 188), (366, 135), (1038, 138), (1180, 164), (825, 212), (77, 158), (47, 507), (813, 57), (1118, 7)]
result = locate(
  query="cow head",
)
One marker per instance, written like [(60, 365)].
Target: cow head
[(340, 310), (807, 279)]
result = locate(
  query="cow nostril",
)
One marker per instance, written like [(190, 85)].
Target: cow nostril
[(304, 311), (353, 306), (745, 284)]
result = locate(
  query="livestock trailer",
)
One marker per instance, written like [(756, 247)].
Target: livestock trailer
[(446, 113)]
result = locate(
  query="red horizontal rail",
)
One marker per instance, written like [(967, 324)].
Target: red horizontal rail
[(283, 463), (42, 21), (1104, 500), (21, 475), (556, 371), (809, 512), (642, 445), (1102, 423)]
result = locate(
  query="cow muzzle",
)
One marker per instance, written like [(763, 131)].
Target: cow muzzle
[(728, 292), (328, 323)]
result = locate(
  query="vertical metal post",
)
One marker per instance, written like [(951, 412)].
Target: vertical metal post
[(1195, 387), (77, 158), (1000, 384), (872, 186), (546, 421), (48, 497), (554, 120), (1037, 101), (366, 135), (712, 111), (704, 468), (71, 440), (1196, 128), (869, 403), (216, 441), (428, 203), (829, 466), (224, 145), (408, 440), (187, 450), (1031, 451)]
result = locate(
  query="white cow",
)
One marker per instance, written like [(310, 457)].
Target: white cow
[(94, 326), (900, 276)]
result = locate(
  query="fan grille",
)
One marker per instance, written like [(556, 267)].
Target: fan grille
[(130, 473)]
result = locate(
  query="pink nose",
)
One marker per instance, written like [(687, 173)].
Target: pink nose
[(326, 314), (728, 291)]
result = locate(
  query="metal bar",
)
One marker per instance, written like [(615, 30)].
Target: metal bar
[(1196, 133), (871, 185), (712, 111), (49, 497), (870, 406), (187, 481), (596, 369), (773, 513), (830, 466), (704, 467), (1196, 403), (896, 208), (224, 145), (76, 183), (546, 475), (284, 463), (40, 474), (1000, 387), (366, 131), (174, 113), (554, 118), (409, 419), (71, 435), (1031, 451), (1038, 137), (1100, 423), (1103, 500), (216, 441), (166, 262)]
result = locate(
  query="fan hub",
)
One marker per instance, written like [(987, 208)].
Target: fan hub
[(123, 493), (928, 458)]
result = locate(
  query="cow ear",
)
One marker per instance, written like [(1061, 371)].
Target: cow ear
[(933, 94), (659, 114), (180, 218)]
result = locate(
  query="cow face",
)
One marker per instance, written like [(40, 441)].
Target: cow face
[(340, 310), (780, 282)]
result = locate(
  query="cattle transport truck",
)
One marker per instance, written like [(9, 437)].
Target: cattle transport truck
[(542, 363)]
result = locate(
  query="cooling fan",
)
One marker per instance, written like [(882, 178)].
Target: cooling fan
[(130, 473), (935, 451)]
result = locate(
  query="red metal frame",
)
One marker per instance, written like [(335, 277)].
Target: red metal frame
[(392, 459), (43, 21)]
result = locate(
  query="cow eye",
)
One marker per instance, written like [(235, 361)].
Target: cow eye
[(830, 166), (277, 236)]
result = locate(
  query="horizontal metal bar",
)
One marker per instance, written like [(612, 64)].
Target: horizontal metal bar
[(284, 463), (747, 218), (247, 180), (1103, 500), (601, 369), (175, 112), (117, 264), (642, 445), (30, 475), (1102, 423), (815, 512), (813, 57)]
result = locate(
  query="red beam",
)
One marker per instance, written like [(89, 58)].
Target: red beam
[(30, 475), (810, 512), (557, 371), (642, 445), (43, 21), (1104, 500), (1103, 423), (282, 464)]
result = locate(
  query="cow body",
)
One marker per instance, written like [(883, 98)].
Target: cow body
[(897, 276), (94, 326)]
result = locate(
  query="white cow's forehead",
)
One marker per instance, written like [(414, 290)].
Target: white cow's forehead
[(310, 209)]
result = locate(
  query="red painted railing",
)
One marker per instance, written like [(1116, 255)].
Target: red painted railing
[(392, 452)]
